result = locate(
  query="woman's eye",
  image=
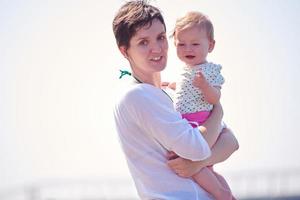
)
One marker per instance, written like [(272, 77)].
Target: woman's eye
[(162, 37), (143, 42)]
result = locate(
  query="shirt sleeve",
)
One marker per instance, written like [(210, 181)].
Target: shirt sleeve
[(216, 77), (165, 125)]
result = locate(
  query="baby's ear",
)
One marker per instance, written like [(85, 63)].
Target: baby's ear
[(211, 46)]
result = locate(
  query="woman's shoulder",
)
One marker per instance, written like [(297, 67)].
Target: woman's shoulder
[(136, 93), (140, 90), (141, 98)]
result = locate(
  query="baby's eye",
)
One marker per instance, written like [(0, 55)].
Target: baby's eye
[(196, 44), (180, 44)]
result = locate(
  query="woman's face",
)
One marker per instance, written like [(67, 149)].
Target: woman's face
[(148, 49)]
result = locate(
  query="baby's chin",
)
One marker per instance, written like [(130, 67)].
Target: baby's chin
[(191, 61)]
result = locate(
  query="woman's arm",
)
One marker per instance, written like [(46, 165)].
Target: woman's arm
[(224, 147), (156, 115)]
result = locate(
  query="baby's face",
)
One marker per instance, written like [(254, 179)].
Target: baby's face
[(193, 45)]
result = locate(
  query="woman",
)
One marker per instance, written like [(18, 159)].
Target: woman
[(148, 126)]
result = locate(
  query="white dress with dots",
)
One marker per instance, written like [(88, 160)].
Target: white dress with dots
[(188, 98)]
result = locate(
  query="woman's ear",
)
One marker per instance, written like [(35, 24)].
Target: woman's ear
[(123, 51), (211, 46)]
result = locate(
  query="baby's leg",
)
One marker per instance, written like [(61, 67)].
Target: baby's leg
[(225, 135), (223, 182), (209, 182)]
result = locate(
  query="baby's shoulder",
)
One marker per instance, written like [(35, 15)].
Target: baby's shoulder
[(211, 68), (214, 66)]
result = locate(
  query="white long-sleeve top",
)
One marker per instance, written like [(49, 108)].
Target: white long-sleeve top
[(148, 127)]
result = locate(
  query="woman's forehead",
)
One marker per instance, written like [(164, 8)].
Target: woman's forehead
[(150, 30)]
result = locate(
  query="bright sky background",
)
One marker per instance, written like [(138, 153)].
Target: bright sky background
[(59, 66)]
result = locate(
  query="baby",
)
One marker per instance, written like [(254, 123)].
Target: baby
[(199, 87)]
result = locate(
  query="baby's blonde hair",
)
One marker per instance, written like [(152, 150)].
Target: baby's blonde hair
[(194, 18)]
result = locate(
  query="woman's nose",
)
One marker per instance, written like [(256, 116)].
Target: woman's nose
[(156, 48)]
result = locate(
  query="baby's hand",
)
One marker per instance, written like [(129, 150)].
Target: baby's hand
[(164, 84), (171, 85), (200, 81)]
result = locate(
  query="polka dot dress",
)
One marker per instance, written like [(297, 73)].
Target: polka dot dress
[(189, 99)]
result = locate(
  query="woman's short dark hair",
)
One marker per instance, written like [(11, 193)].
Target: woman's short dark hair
[(132, 16)]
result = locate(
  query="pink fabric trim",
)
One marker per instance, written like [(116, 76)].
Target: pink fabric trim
[(198, 117)]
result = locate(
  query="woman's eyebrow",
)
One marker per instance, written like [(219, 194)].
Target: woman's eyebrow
[(162, 33), (147, 37), (143, 38)]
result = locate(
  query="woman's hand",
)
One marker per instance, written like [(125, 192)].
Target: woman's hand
[(185, 168)]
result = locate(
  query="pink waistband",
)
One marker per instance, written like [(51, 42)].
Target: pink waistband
[(198, 117)]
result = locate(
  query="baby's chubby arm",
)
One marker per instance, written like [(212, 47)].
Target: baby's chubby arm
[(212, 94)]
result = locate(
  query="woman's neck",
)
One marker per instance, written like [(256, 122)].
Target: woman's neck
[(152, 79)]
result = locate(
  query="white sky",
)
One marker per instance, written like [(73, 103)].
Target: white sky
[(59, 64)]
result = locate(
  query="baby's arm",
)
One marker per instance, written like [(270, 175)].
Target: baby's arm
[(212, 94)]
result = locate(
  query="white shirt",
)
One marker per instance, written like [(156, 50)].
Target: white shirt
[(148, 127), (188, 98)]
